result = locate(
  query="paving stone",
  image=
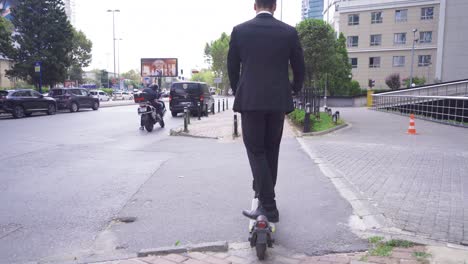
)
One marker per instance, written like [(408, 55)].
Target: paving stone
[(286, 260), (157, 260), (403, 255), (175, 257), (237, 260), (221, 255), (214, 260), (194, 261), (197, 255), (131, 261)]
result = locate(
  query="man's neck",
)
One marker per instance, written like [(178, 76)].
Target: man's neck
[(264, 11)]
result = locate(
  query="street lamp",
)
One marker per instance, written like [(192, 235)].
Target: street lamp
[(113, 30), (118, 57), (412, 56), (281, 10)]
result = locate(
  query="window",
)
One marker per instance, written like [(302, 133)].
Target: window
[(427, 13), (353, 62), (401, 15), (424, 60), (374, 62), (75, 92), (353, 19), (400, 38), (36, 94), (425, 37), (376, 18), (353, 41), (376, 40), (398, 61), (102, 93)]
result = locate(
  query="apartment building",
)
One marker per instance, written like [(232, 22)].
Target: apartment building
[(381, 34), (380, 37)]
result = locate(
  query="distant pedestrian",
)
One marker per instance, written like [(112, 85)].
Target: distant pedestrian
[(260, 53)]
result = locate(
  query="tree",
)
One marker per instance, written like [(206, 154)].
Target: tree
[(6, 42), (216, 53), (43, 34), (133, 75), (80, 55), (318, 41), (204, 75), (393, 81), (339, 80)]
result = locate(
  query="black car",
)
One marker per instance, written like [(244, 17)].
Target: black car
[(74, 99), (189, 94), (25, 102)]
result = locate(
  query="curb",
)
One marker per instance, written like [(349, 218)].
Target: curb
[(321, 133), (221, 246), (115, 105), (180, 133)]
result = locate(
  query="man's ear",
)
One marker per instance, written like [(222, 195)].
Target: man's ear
[(274, 7), (255, 6)]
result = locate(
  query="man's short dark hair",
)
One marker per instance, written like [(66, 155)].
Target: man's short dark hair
[(265, 3)]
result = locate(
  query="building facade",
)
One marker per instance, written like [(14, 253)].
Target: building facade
[(312, 9), (381, 33), (380, 37), (70, 10)]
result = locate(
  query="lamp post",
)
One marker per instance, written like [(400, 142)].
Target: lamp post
[(412, 57), (113, 30), (118, 57), (281, 10), (308, 110)]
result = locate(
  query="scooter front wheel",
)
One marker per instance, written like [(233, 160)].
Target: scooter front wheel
[(261, 250)]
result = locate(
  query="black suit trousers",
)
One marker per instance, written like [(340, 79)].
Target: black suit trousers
[(262, 133)]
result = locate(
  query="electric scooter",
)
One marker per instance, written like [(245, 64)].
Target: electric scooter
[(261, 233)]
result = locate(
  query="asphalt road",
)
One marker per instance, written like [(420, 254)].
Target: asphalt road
[(64, 178)]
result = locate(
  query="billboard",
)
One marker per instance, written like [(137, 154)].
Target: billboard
[(5, 8), (159, 67)]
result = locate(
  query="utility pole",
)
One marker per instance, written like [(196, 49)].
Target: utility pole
[(113, 35), (412, 57)]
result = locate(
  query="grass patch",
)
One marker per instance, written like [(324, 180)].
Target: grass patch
[(325, 121), (422, 255), (382, 248)]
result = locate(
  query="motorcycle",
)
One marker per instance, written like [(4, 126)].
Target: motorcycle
[(149, 114)]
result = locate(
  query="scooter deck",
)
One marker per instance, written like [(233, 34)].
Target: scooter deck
[(252, 222)]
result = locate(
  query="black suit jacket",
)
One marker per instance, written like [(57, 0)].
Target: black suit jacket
[(260, 52)]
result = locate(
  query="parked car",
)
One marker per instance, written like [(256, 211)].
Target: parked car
[(74, 99), (99, 94), (123, 96), (25, 102), (189, 94)]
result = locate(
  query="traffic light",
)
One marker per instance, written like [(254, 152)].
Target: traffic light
[(371, 83)]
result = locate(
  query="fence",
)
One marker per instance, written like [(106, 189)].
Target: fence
[(445, 103)]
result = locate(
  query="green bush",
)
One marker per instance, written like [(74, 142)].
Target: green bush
[(324, 123), (108, 91)]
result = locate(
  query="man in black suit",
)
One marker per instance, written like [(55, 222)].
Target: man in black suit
[(260, 53)]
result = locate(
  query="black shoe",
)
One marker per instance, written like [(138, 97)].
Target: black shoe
[(271, 215)]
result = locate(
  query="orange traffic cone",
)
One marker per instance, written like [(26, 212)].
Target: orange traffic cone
[(412, 128)]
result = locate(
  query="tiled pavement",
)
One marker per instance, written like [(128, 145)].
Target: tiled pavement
[(419, 182), (242, 254)]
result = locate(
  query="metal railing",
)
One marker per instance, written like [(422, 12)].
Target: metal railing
[(452, 110), (445, 103), (456, 88)]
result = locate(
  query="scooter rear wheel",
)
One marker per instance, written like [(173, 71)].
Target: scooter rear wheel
[(261, 250), (149, 125)]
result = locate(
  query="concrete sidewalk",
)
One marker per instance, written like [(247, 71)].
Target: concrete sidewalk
[(375, 150)]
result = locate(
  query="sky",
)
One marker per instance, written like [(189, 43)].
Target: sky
[(163, 28)]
